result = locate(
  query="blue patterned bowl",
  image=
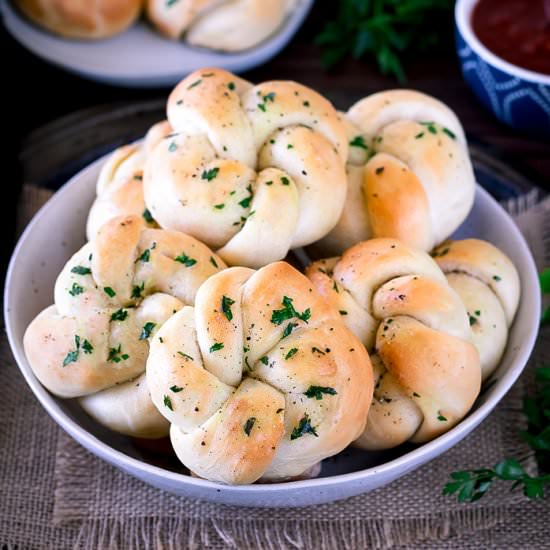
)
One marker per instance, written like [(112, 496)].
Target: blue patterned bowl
[(516, 96)]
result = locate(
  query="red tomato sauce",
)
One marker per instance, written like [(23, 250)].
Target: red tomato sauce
[(515, 30)]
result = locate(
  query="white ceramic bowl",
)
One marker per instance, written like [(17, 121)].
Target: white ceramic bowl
[(58, 230), (141, 57)]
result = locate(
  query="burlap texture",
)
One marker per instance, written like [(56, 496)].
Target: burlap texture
[(57, 495)]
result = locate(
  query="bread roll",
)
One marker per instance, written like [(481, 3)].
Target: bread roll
[(409, 173), (488, 285), (251, 171), (82, 18), (120, 182), (110, 298), (398, 302), (261, 380)]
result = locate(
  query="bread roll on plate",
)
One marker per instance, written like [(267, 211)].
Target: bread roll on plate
[(82, 18)]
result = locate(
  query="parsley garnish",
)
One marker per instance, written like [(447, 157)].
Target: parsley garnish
[(119, 315), (231, 86), (109, 291), (116, 355), (168, 402), (291, 353), (137, 290), (209, 175), (285, 180), (87, 346), (289, 328), (264, 360), (304, 427), (216, 347), (146, 330), (249, 424), (449, 133), (226, 307), (72, 356), (185, 356), (245, 203), (497, 278), (176, 389), (145, 256), (185, 260), (76, 289), (441, 418), (358, 141), (288, 312), (81, 270), (220, 206), (147, 216), (318, 391)]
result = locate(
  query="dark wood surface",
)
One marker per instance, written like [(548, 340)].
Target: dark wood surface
[(37, 93)]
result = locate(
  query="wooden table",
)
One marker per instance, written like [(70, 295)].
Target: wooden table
[(38, 93)]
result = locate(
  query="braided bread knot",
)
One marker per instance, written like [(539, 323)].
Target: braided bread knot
[(230, 25), (398, 302), (120, 183), (248, 166), (409, 172), (261, 379), (488, 285), (110, 298)]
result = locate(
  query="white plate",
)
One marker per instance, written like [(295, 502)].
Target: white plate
[(141, 57), (58, 230)]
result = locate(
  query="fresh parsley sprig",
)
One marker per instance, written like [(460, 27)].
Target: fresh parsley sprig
[(471, 485), (385, 30)]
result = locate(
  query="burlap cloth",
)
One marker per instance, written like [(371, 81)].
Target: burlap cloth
[(54, 494)]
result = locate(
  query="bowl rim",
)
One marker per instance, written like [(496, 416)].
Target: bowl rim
[(391, 469), (463, 19)]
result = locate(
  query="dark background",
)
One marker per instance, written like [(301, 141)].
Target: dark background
[(35, 93)]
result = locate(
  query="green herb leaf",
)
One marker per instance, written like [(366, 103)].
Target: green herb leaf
[(147, 216), (288, 312), (119, 315), (216, 347), (185, 356), (304, 427), (76, 289), (226, 307), (146, 330), (185, 260), (81, 270), (87, 346), (358, 141), (137, 290), (109, 291), (209, 175), (176, 389), (316, 392), (291, 353), (168, 402), (245, 203)]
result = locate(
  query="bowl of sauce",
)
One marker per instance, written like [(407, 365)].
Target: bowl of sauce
[(504, 51)]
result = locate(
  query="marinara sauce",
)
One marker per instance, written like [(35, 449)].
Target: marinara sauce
[(516, 30)]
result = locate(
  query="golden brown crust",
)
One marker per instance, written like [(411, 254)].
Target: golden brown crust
[(95, 336), (418, 183), (398, 302), (488, 284), (246, 164), (82, 18), (120, 182), (272, 380)]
